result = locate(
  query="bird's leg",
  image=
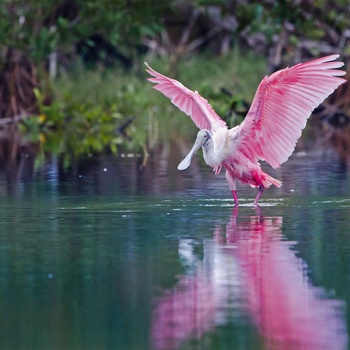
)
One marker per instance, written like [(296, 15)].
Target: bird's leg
[(232, 183), (234, 194), (261, 190)]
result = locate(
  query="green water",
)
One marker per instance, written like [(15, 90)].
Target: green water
[(116, 258)]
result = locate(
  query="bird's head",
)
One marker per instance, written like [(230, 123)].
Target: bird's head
[(202, 138)]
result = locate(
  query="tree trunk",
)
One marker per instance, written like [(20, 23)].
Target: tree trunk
[(18, 78)]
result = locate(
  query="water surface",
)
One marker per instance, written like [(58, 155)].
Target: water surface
[(111, 257)]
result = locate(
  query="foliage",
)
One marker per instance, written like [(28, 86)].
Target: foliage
[(313, 27), (37, 28), (74, 128), (81, 111), (90, 106), (32, 33)]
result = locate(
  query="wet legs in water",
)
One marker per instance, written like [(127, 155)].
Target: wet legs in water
[(234, 194), (261, 190)]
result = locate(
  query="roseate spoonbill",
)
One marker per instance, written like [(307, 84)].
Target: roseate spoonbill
[(282, 104), (282, 303)]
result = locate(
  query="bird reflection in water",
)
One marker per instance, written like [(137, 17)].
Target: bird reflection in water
[(248, 270)]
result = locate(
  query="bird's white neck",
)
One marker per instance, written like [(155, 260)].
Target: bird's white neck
[(209, 153), (215, 149)]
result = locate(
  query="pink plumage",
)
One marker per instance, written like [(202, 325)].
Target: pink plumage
[(278, 114), (189, 102)]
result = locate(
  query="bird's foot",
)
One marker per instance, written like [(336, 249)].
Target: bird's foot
[(217, 169)]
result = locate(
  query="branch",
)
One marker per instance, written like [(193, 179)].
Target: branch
[(17, 118)]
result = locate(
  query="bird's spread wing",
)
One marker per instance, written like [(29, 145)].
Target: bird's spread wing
[(281, 106), (191, 103)]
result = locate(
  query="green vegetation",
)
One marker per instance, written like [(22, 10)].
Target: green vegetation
[(89, 105), (73, 71), (32, 34)]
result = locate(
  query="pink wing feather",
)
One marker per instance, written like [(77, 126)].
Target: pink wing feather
[(281, 106), (189, 102)]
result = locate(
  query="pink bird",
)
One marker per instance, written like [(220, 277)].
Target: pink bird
[(269, 132)]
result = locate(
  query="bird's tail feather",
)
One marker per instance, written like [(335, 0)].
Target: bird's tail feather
[(269, 180)]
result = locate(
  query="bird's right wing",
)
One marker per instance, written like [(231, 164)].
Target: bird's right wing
[(281, 106), (188, 101)]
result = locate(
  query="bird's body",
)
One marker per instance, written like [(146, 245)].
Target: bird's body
[(279, 111)]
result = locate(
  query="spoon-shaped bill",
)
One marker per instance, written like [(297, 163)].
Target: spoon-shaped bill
[(187, 160)]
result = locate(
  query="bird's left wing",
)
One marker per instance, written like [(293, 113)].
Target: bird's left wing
[(281, 106), (189, 102)]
